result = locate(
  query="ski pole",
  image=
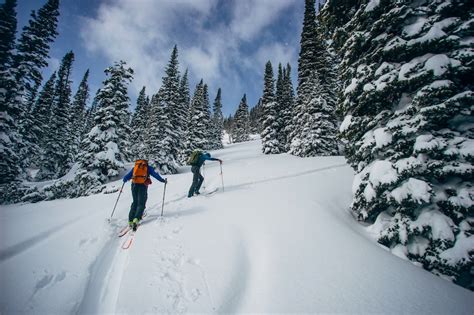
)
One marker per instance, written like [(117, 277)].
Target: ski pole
[(117, 201), (222, 178), (163, 203)]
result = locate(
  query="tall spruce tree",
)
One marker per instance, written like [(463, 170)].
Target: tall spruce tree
[(185, 100), (197, 134), (408, 126), (311, 68), (105, 148), (255, 117), (208, 121), (316, 135), (270, 144), (8, 25), (139, 125), (78, 115), (40, 128), (241, 124), (10, 138), (174, 106), (90, 114), (57, 157), (159, 143), (288, 107), (217, 122), (33, 48)]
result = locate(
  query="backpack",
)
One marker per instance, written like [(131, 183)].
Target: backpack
[(140, 172), (194, 157)]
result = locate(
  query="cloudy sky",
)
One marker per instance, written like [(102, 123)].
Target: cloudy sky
[(225, 42)]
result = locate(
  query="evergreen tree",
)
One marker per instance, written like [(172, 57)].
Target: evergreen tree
[(316, 134), (105, 148), (185, 101), (307, 58), (33, 48), (42, 118), (241, 125), (207, 118), (139, 126), (288, 108), (159, 144), (255, 117), (408, 126), (174, 106), (10, 139), (311, 70), (270, 144), (90, 114), (78, 115), (197, 135), (57, 157), (8, 25), (217, 122)]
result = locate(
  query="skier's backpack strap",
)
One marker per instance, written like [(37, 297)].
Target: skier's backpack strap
[(140, 172)]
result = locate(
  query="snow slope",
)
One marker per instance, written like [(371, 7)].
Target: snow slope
[(279, 238)]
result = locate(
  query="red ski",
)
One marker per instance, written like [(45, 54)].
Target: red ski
[(124, 231)]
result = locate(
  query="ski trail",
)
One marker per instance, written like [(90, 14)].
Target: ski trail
[(19, 248), (102, 290)]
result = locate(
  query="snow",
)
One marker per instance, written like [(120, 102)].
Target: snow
[(414, 189), (345, 123), (439, 223), (372, 5), (351, 87), (415, 28), (460, 251), (382, 137), (382, 172), (278, 239), (438, 63)]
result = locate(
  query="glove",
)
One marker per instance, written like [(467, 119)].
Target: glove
[(124, 180)]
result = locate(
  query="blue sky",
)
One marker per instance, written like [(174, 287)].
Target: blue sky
[(225, 42)]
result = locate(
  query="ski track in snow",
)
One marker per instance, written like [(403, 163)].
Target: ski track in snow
[(31, 242)]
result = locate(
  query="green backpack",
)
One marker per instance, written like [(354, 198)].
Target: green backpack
[(194, 157)]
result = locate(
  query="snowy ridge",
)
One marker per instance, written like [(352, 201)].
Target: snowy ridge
[(278, 239)]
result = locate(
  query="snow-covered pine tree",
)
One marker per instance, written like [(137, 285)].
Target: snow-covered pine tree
[(289, 106), (78, 115), (10, 138), (105, 148), (269, 118), (255, 115), (217, 122), (208, 120), (90, 114), (139, 125), (280, 107), (311, 66), (158, 145), (175, 109), (8, 25), (316, 134), (408, 73), (241, 124), (39, 128), (57, 157), (33, 48), (185, 100), (197, 130)]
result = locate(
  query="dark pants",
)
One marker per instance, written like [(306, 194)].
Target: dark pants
[(140, 195), (197, 180)]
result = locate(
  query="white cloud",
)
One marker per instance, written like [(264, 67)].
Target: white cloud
[(143, 32), (251, 16)]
